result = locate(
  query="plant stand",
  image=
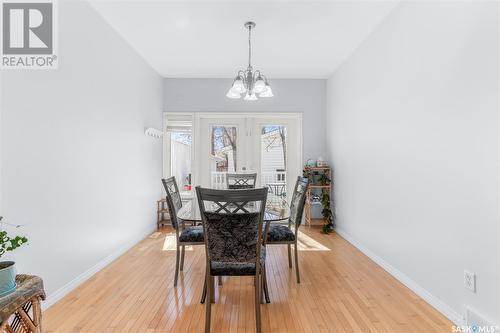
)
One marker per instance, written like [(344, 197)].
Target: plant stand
[(20, 311), (320, 185)]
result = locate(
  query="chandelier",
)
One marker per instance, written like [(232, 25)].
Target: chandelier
[(250, 82)]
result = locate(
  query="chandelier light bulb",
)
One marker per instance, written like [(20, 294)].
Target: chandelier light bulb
[(251, 97), (268, 92), (238, 86), (233, 94), (259, 86)]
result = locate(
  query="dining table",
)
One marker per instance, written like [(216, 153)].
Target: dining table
[(277, 210)]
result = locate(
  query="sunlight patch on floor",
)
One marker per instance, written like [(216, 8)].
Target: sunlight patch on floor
[(169, 243), (155, 235), (307, 243)]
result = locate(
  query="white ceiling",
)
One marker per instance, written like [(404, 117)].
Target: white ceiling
[(207, 39)]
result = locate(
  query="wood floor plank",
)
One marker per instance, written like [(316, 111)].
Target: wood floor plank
[(341, 290)]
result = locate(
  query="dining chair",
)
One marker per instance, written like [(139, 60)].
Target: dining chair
[(237, 181), (278, 189), (184, 235), (233, 226), (288, 234)]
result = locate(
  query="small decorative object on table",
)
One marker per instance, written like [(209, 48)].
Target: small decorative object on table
[(7, 268), (311, 163), (21, 311), (319, 179)]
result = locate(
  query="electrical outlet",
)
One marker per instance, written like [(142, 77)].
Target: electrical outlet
[(470, 281)]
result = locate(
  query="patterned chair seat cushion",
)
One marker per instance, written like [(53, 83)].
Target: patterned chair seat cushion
[(236, 268), (280, 233), (192, 234)]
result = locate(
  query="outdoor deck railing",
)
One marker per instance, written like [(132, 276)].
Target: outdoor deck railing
[(218, 179)]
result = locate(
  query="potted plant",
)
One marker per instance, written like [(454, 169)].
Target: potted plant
[(8, 268)]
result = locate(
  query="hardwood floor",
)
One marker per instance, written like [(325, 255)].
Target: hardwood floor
[(341, 291)]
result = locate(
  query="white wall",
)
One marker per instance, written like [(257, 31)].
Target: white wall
[(77, 169), (305, 96), (414, 140)]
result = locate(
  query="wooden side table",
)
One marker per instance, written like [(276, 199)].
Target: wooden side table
[(161, 210), (20, 311)]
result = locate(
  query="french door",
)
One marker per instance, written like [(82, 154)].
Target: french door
[(267, 144)]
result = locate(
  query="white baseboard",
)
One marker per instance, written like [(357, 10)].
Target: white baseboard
[(439, 305), (70, 286)]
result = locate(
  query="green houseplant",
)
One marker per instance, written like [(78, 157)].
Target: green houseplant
[(8, 268)]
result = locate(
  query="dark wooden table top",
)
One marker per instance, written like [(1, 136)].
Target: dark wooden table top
[(277, 209)]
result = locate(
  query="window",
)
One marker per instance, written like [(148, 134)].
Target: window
[(179, 145)]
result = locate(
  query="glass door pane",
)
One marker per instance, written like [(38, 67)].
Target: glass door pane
[(273, 158), (180, 156), (178, 151), (221, 149), (224, 149), (224, 154), (277, 152)]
